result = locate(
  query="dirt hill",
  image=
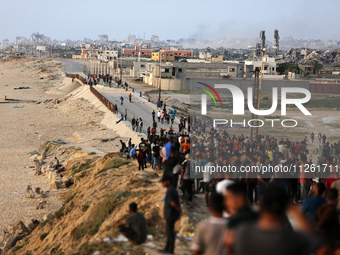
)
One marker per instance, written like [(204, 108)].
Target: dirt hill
[(102, 190)]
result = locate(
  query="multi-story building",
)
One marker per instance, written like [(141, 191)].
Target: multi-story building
[(107, 54), (5, 43), (39, 38), (134, 51), (171, 55), (269, 65), (89, 53), (20, 40), (103, 38), (205, 55), (177, 75)]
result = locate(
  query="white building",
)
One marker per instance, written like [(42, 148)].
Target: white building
[(107, 55), (269, 65), (205, 55)]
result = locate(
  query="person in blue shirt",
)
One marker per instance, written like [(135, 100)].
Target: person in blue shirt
[(172, 118), (121, 100), (168, 147), (121, 118), (276, 156), (311, 205), (132, 151)]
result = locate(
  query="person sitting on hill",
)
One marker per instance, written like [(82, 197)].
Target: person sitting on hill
[(121, 119), (134, 227)]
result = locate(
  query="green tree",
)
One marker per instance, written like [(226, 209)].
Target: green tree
[(317, 67), (284, 68)]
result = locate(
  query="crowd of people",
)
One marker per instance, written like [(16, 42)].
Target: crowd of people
[(249, 211), (235, 227)]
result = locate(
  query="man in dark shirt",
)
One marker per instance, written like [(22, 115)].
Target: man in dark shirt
[(171, 162), (123, 146), (268, 235), (172, 213), (156, 155), (153, 115), (134, 227), (326, 218), (143, 149), (237, 202)]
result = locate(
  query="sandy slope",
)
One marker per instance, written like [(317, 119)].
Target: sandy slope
[(24, 129)]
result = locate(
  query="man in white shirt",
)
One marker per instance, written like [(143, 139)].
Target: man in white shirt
[(281, 147), (309, 156), (159, 116)]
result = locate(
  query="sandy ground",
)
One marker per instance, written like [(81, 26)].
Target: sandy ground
[(24, 129)]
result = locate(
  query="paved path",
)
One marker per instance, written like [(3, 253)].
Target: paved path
[(139, 107)]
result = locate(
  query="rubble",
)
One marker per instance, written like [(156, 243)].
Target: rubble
[(47, 216), (18, 229), (30, 192), (57, 184), (22, 88), (41, 204)]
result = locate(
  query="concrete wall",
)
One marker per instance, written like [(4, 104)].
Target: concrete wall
[(267, 85), (169, 84), (186, 84), (122, 129)]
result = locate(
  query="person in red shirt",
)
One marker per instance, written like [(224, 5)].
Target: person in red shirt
[(333, 176), (237, 145), (304, 182), (297, 147), (186, 146)]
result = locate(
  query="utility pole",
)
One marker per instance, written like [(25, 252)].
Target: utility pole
[(117, 61), (160, 75), (254, 130), (121, 64), (259, 92)]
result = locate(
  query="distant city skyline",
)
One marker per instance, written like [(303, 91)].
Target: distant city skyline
[(211, 20)]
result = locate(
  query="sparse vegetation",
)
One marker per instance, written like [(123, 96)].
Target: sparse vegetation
[(81, 167), (59, 213), (71, 197), (113, 163), (85, 207), (101, 212), (43, 236), (108, 139), (92, 153), (16, 248)]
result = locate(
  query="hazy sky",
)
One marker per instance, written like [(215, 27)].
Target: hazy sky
[(175, 19)]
